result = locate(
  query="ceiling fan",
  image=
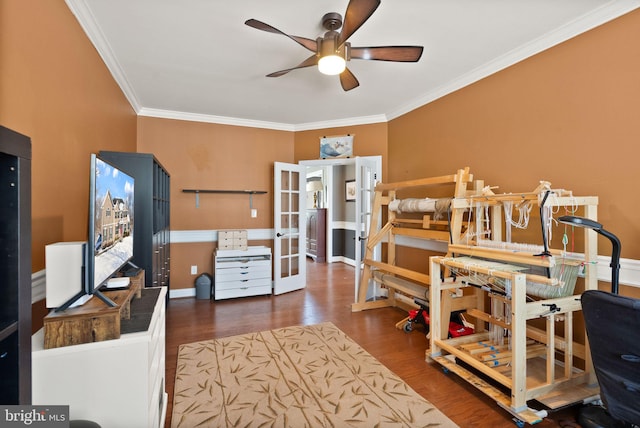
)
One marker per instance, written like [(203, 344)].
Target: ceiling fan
[(332, 51)]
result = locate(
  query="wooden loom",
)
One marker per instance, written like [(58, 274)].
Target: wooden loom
[(401, 282), (537, 362)]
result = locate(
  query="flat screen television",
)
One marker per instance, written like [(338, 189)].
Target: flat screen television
[(110, 236), (111, 221)]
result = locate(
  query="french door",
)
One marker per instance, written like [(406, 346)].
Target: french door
[(289, 219)]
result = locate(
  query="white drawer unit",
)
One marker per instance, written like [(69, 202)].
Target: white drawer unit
[(241, 273)]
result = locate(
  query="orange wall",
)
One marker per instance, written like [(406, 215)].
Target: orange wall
[(214, 157), (211, 156), (55, 89), (569, 115)]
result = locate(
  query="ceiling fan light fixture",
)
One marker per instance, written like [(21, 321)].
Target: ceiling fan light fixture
[(331, 65), (333, 50)]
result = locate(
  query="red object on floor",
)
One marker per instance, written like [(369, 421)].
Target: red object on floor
[(455, 329)]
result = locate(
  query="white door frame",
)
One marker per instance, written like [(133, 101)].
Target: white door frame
[(373, 161)]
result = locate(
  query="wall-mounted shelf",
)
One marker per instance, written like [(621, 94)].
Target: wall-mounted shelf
[(245, 192), (250, 192)]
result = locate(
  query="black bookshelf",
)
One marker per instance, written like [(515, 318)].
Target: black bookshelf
[(15, 274), (151, 245)]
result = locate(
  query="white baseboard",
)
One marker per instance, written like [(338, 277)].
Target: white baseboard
[(182, 292), (343, 259)]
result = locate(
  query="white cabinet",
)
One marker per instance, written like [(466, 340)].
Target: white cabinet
[(241, 273), (115, 383)]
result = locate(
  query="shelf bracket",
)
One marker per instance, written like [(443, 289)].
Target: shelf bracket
[(245, 192)]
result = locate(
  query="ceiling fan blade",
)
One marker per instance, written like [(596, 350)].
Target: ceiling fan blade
[(312, 45), (348, 80), (358, 11), (388, 53), (312, 60)]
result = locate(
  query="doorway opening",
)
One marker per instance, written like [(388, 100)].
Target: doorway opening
[(346, 216)]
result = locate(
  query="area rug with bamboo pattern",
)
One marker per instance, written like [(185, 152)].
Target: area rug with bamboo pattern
[(302, 376)]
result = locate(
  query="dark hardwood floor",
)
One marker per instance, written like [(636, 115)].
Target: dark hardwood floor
[(327, 297)]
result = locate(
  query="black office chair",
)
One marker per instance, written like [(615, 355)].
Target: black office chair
[(613, 328)]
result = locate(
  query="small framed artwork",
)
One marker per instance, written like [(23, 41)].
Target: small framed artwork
[(350, 190), (336, 147)]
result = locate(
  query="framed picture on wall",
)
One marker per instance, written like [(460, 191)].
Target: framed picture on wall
[(336, 147), (350, 190)]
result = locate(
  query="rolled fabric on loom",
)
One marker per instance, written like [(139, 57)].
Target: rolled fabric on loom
[(413, 205)]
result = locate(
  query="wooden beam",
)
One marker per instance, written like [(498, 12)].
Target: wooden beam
[(443, 179), (406, 273)]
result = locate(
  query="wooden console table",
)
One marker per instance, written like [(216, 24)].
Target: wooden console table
[(94, 321)]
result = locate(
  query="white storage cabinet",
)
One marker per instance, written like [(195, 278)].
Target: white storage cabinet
[(115, 383), (241, 273)]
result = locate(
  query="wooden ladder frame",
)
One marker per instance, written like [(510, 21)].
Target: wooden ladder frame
[(398, 280)]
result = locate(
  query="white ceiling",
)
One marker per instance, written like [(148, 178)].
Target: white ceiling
[(196, 60)]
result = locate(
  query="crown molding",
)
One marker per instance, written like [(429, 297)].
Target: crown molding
[(609, 11), (206, 118), (352, 121), (224, 120), (87, 21)]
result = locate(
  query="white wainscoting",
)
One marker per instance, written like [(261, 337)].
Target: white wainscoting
[(629, 268), (191, 236)]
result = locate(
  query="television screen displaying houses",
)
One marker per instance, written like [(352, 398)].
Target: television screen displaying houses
[(113, 221)]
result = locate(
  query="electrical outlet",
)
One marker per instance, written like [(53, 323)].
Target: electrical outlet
[(194, 270), (254, 213)]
